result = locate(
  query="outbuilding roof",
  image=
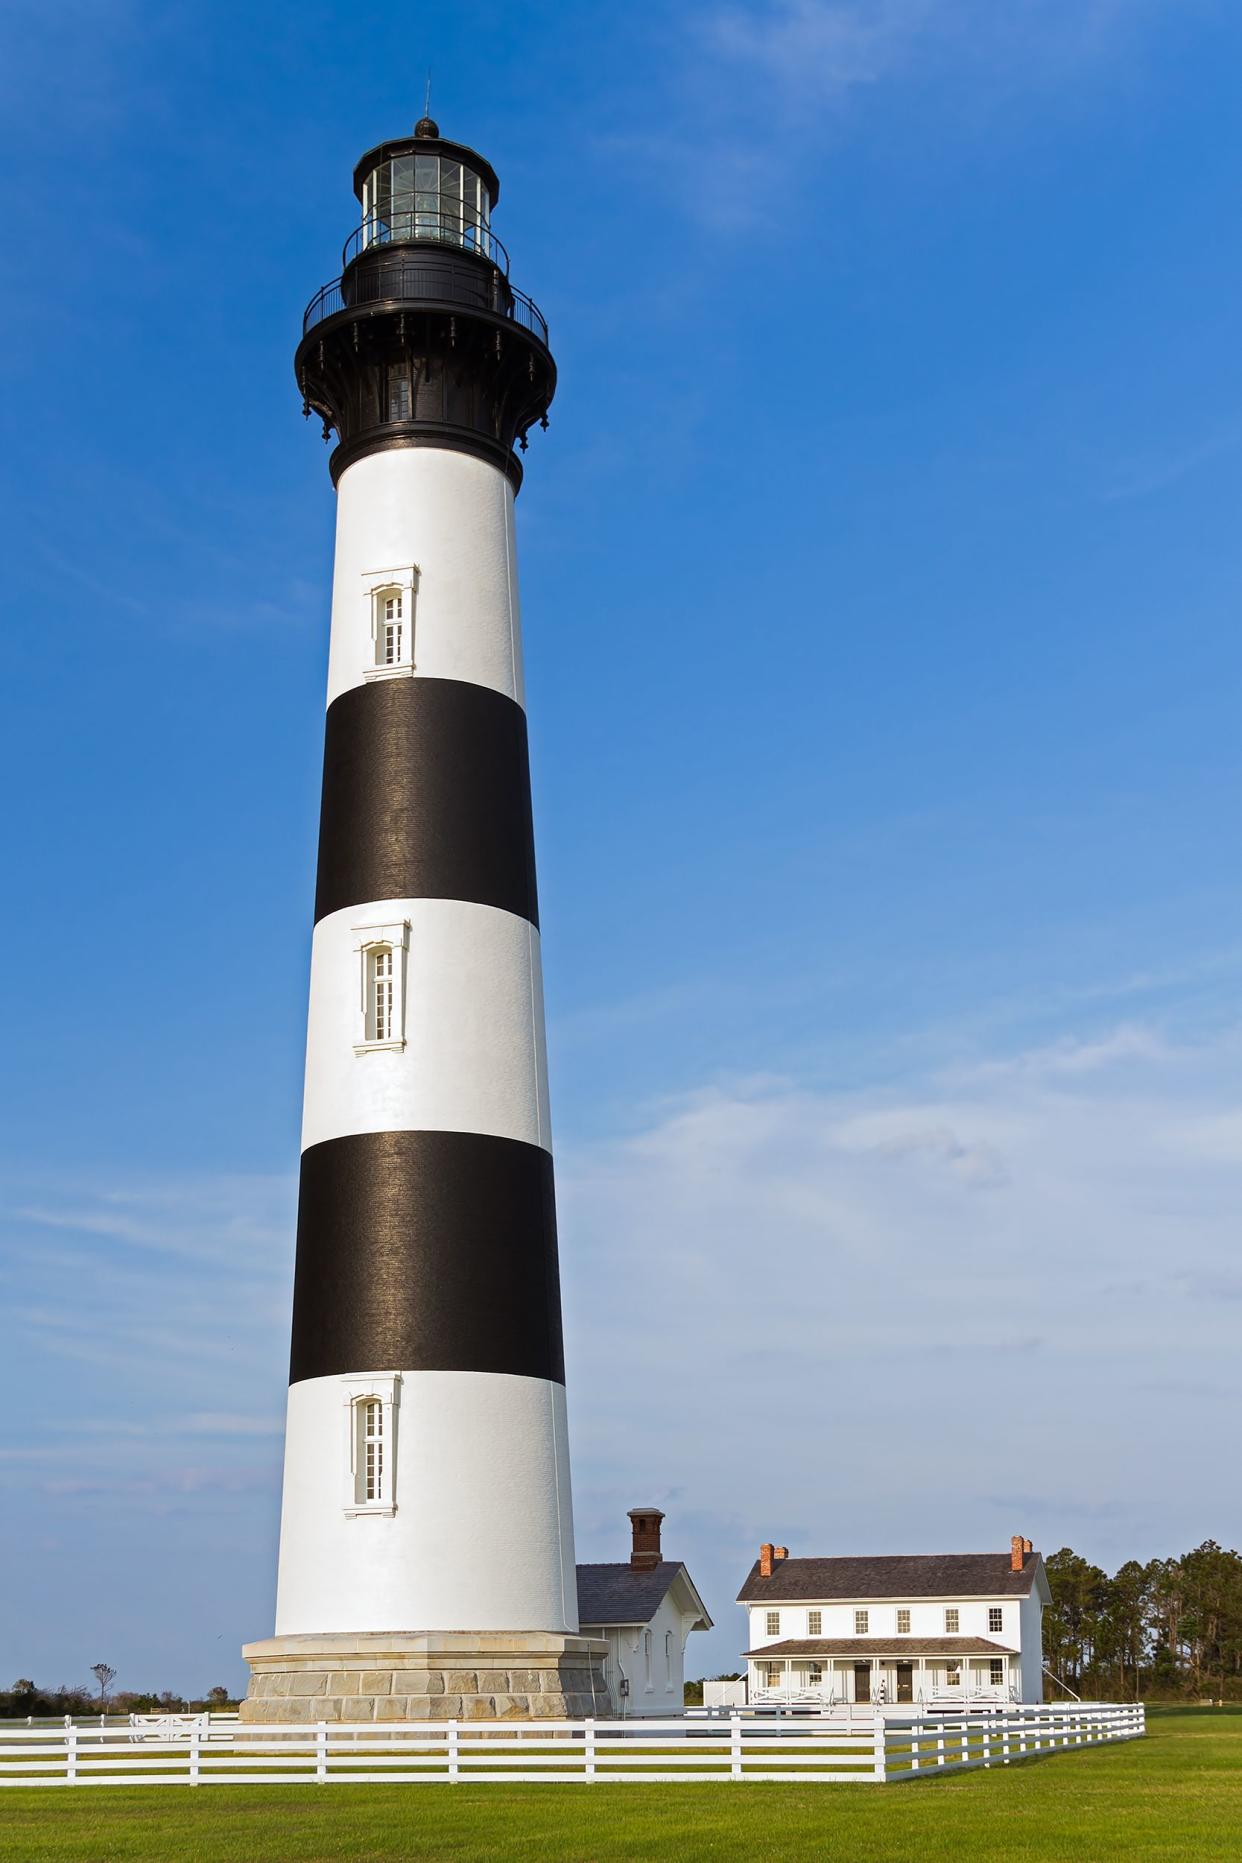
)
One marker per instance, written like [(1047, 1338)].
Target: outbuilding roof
[(902, 1575), (879, 1646), (623, 1594)]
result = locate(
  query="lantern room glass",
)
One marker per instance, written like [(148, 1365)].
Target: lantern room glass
[(427, 197)]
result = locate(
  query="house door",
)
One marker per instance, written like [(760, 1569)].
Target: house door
[(862, 1681), (905, 1681)]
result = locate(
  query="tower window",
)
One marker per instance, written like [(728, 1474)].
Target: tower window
[(371, 1412), (394, 628), (371, 1450), (381, 951), (379, 1006), (398, 394), (391, 605)]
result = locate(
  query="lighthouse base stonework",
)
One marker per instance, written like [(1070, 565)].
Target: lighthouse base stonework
[(472, 1675)]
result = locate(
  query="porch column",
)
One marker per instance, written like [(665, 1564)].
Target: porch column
[(789, 1677), (922, 1678)]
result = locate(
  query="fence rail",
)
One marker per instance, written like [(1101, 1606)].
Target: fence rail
[(823, 1749)]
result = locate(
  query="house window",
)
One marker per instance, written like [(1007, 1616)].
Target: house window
[(381, 951), (861, 1621), (996, 1672), (815, 1623), (903, 1623), (996, 1618), (668, 1658), (371, 1414), (815, 1674), (647, 1659), (952, 1620), (390, 599), (775, 1674), (953, 1675), (773, 1624)]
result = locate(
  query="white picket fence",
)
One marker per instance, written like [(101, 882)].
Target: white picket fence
[(821, 1748)]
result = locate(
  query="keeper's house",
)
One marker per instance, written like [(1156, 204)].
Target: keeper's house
[(936, 1629), (644, 1610)]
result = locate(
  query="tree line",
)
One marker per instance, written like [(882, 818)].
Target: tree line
[(26, 1699), (1170, 1628)]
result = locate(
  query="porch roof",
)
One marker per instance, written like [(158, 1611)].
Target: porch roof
[(876, 1646)]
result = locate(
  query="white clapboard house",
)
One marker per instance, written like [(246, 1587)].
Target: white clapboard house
[(645, 1610), (939, 1628)]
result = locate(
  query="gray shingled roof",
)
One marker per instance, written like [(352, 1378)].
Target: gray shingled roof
[(881, 1646), (903, 1575), (617, 1594)]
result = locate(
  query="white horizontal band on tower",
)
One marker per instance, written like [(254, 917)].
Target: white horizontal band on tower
[(450, 516), (481, 1536), (473, 1059)]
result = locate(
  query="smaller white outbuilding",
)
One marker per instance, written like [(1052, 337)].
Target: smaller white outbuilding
[(645, 1610)]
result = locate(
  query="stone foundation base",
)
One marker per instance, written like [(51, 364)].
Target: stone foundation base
[(482, 1675)]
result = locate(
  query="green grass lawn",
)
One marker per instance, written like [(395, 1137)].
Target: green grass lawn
[(1178, 1793)]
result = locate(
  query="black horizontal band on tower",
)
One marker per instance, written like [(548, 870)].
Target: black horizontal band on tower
[(426, 795), (426, 1251)]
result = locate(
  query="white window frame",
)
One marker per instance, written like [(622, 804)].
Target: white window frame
[(953, 1674), (386, 1386), (996, 1620), (996, 1671), (862, 1623), (772, 1624), (952, 1620), (369, 940), (379, 584), (815, 1623), (903, 1627)]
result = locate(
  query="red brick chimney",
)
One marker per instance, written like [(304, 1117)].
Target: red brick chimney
[(1018, 1549), (767, 1552), (645, 1553)]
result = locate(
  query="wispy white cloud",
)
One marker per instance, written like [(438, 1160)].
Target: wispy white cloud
[(869, 1320)]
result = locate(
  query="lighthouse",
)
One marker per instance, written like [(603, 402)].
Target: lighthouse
[(426, 1545)]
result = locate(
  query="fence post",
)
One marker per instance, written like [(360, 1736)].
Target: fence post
[(589, 1746), (453, 1768), (71, 1752), (321, 1753), (735, 1745), (195, 1731), (880, 1727), (987, 1739)]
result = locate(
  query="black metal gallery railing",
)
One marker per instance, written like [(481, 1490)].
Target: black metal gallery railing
[(402, 278), (408, 224)]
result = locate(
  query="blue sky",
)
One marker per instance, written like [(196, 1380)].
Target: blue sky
[(880, 574)]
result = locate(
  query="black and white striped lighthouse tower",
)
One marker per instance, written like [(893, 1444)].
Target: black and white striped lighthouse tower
[(426, 1552)]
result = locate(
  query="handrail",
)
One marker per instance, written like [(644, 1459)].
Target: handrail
[(417, 226), (400, 278)]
